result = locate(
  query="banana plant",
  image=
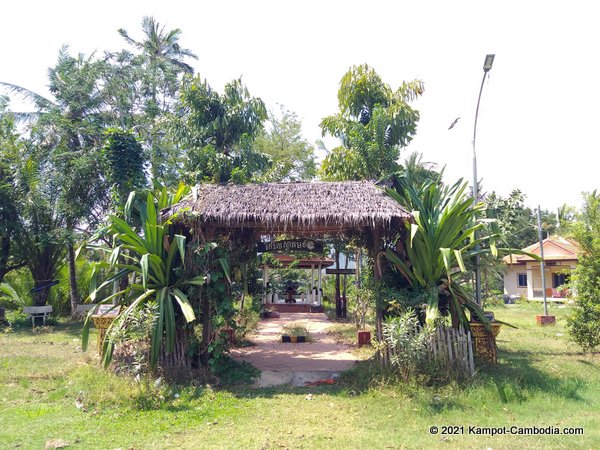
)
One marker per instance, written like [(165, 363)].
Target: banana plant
[(444, 234), (150, 257)]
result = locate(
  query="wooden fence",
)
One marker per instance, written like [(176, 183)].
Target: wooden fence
[(453, 347)]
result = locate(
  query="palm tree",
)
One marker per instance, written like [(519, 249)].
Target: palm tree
[(67, 128), (161, 47), (160, 65), (162, 55), (218, 129)]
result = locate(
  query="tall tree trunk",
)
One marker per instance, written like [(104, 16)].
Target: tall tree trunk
[(73, 291), (4, 254), (378, 275)]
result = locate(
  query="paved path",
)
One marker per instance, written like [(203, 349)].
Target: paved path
[(295, 363)]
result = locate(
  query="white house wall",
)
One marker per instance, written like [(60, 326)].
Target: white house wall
[(510, 281), (534, 278)]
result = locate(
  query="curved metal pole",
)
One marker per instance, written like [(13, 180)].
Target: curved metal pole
[(476, 195)]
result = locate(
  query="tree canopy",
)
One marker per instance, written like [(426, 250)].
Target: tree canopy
[(373, 123)]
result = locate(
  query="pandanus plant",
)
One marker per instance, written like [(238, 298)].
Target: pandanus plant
[(445, 233), (150, 257)]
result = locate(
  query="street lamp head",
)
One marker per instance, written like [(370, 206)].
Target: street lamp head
[(487, 65)]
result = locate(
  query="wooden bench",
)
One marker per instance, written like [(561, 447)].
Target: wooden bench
[(38, 311)]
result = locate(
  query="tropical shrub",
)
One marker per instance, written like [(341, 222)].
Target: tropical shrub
[(407, 343), (247, 322), (584, 323), (151, 259), (433, 253), (295, 329), (9, 297)]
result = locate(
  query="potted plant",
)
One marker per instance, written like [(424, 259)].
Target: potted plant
[(295, 333), (363, 298)]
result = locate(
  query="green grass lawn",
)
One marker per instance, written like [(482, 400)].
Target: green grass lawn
[(542, 379)]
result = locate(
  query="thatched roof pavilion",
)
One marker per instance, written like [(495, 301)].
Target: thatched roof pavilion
[(317, 207)]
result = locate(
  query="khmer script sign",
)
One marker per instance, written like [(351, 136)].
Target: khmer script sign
[(307, 245)]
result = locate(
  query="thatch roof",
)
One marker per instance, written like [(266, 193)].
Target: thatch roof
[(318, 206)]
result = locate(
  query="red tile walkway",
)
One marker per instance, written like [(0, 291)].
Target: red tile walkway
[(270, 354)]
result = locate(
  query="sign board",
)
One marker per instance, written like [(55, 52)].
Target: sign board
[(307, 245), (107, 310), (340, 271)]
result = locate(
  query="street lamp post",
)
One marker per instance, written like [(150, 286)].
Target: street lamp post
[(487, 66)]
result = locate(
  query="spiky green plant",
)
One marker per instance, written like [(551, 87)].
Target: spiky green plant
[(151, 257), (439, 241), (9, 297)]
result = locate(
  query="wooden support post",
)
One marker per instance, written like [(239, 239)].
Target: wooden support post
[(338, 296), (378, 275), (265, 284)]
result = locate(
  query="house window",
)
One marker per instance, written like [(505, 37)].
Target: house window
[(521, 280), (558, 279)]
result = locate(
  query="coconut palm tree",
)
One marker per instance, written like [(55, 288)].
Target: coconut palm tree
[(159, 65), (160, 46)]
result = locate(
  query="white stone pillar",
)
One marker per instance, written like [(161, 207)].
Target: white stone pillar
[(312, 283), (265, 281), (529, 271), (319, 297)]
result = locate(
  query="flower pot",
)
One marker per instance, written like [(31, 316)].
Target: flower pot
[(545, 320), (364, 338), (293, 339), (485, 344)]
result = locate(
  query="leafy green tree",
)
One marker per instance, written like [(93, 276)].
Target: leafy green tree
[(123, 159), (10, 148), (517, 222), (66, 132), (584, 323), (292, 156), (218, 131), (566, 217), (373, 124), (143, 87)]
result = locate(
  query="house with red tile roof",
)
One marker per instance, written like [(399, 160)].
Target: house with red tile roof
[(523, 276)]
